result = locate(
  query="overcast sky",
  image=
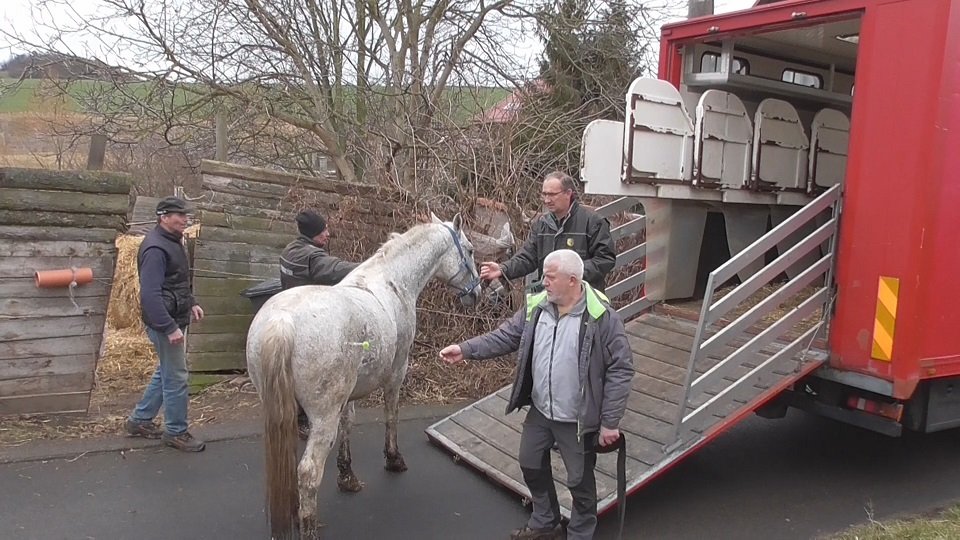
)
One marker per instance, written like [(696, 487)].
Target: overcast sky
[(18, 16)]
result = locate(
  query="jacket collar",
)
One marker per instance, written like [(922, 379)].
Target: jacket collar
[(307, 240), (558, 223), (596, 302), (176, 237)]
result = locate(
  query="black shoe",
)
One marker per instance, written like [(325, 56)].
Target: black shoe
[(184, 442), (147, 430)]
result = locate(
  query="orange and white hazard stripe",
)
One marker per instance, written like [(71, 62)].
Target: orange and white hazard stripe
[(884, 325)]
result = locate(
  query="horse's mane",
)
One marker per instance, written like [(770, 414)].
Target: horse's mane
[(395, 243), (401, 241)]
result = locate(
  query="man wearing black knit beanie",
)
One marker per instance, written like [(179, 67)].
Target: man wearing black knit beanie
[(305, 261)]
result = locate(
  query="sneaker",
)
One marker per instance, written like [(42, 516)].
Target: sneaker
[(147, 430), (184, 442), (546, 533)]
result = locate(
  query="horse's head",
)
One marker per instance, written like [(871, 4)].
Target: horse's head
[(457, 268)]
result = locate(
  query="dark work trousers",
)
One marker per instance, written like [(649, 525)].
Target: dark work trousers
[(539, 434)]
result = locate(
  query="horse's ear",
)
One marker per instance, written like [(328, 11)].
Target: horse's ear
[(434, 218), (457, 222)]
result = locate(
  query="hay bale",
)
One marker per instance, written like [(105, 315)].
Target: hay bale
[(123, 311), (128, 361)]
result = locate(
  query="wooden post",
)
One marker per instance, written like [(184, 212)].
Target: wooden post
[(699, 8), (221, 135), (98, 150)]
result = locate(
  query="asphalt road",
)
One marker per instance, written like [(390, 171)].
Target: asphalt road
[(799, 477)]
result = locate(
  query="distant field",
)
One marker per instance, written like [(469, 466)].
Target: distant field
[(35, 96), (38, 96)]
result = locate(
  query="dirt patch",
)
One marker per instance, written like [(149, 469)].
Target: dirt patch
[(129, 361), (122, 374)]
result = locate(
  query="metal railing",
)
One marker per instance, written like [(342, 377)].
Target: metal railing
[(631, 283), (709, 342)]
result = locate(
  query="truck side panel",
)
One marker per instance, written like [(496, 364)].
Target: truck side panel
[(890, 179), (938, 346)]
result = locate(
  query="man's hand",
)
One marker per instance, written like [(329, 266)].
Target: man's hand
[(452, 354), (608, 436), (490, 271), (175, 337), (197, 313)]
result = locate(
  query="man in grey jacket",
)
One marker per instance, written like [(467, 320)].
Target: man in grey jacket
[(575, 368), (566, 225)]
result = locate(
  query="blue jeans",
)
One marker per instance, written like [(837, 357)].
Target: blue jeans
[(167, 387)]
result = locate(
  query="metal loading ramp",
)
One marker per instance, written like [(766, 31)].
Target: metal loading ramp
[(489, 440), (694, 377)]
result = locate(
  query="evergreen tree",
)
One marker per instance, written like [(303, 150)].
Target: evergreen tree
[(592, 51)]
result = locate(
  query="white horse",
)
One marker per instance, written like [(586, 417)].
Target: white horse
[(323, 347)]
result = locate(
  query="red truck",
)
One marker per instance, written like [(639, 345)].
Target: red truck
[(791, 98), (797, 166)]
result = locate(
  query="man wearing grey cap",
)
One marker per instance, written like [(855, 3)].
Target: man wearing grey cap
[(167, 307)]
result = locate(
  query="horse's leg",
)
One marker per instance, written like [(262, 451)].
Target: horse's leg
[(346, 481), (323, 433), (391, 405)]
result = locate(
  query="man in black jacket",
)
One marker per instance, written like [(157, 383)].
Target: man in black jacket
[(305, 262), (167, 306), (567, 225)]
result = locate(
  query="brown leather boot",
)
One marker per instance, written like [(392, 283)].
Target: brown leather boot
[(184, 442), (147, 430), (546, 533)]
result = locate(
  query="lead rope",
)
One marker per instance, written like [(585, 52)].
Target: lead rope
[(621, 447)]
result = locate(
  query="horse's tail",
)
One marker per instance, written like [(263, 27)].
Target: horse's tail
[(280, 428)]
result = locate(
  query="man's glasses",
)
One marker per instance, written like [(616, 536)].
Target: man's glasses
[(551, 194)]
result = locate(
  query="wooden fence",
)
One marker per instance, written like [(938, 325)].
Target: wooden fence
[(144, 216), (246, 218), (50, 338)]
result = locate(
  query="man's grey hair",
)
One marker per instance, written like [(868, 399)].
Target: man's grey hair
[(566, 181), (566, 261)]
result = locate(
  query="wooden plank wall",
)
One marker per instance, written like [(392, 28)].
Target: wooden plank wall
[(49, 342), (247, 217), (144, 216)]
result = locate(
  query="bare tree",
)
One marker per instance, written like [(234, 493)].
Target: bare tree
[(593, 49), (364, 82)]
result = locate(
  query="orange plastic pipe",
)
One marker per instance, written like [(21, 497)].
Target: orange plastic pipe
[(62, 278)]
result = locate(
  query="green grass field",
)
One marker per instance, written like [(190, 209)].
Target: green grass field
[(21, 98)]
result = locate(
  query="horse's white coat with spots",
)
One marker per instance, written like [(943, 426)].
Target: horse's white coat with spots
[(327, 327)]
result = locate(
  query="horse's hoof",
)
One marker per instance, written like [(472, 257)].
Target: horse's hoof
[(349, 484), (395, 464)]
